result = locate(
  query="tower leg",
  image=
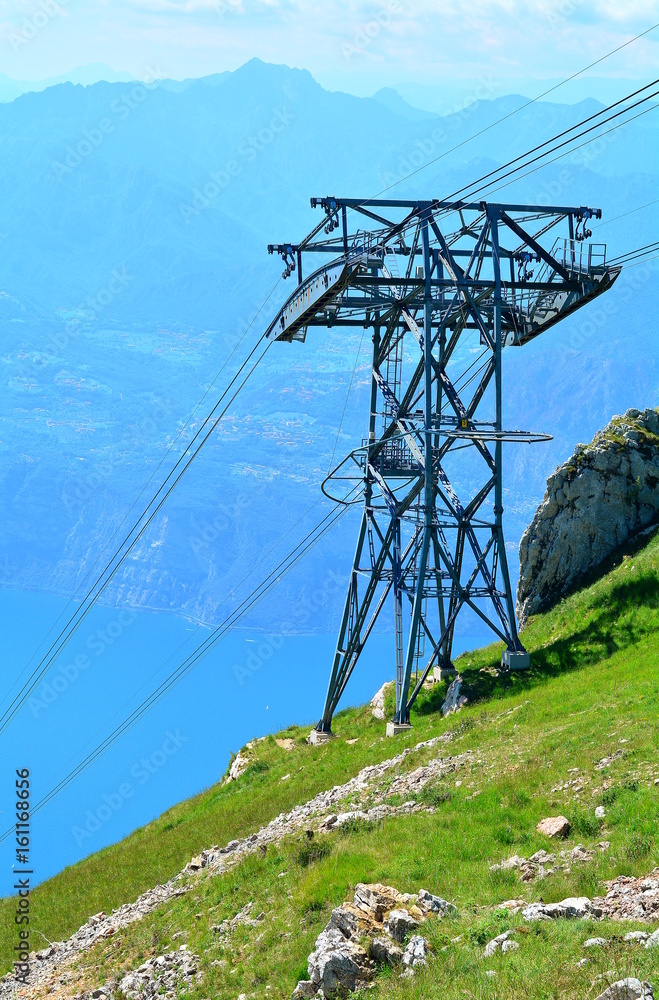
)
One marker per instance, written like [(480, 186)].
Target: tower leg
[(343, 641), (514, 645)]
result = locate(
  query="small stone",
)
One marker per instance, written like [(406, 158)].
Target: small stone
[(554, 826), (304, 990), (490, 973), (509, 946), (600, 812), (596, 942), (542, 858), (653, 940), (493, 946), (435, 904), (514, 906), (415, 952), (640, 936)]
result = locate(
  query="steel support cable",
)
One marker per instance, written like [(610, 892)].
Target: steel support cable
[(515, 173), (511, 114), (624, 215), (479, 186), (260, 561), (464, 192), (643, 260), (105, 584), (144, 488), (573, 149), (261, 591), (638, 252), (93, 594)]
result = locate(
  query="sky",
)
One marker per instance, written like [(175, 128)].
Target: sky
[(359, 46)]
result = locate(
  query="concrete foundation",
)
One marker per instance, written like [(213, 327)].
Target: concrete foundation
[(444, 673), (317, 738), (512, 660), (394, 728)]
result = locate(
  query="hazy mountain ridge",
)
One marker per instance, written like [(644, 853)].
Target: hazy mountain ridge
[(129, 278)]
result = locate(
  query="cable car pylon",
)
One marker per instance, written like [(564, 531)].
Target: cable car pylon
[(444, 287)]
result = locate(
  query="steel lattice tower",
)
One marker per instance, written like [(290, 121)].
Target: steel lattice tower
[(444, 287)]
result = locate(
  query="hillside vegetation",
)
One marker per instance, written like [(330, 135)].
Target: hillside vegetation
[(577, 731)]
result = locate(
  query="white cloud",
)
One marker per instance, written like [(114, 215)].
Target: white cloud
[(429, 41)]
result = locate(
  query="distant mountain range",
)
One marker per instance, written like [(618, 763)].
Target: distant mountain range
[(134, 220)]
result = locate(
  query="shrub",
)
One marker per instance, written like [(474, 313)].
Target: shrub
[(434, 795), (355, 825), (258, 767), (638, 847), (313, 850), (584, 823)]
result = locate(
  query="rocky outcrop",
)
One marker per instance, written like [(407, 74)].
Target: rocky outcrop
[(344, 959), (377, 702), (605, 494), (370, 785)]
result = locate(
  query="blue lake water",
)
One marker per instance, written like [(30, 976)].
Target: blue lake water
[(249, 685)]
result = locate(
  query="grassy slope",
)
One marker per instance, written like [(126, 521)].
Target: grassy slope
[(593, 684)]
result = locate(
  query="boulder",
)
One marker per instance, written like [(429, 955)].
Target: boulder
[(602, 496), (353, 921), (554, 826), (575, 907), (627, 989), (338, 964), (454, 700), (377, 702)]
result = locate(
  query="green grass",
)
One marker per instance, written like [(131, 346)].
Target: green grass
[(592, 691)]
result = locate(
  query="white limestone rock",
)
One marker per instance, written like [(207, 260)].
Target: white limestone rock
[(602, 496), (338, 963)]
